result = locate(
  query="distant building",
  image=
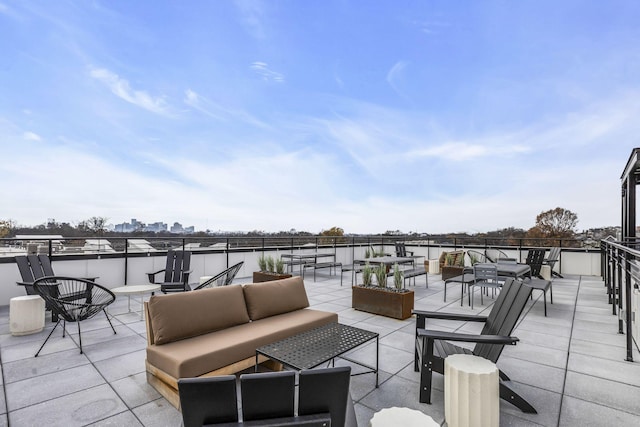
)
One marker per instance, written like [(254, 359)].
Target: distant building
[(156, 227), (126, 227)]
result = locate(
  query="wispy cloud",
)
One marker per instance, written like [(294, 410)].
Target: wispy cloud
[(121, 88), (395, 74), (218, 112), (431, 27), (267, 74), (31, 136), (252, 14)]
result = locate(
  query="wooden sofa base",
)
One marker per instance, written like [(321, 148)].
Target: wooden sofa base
[(167, 385)]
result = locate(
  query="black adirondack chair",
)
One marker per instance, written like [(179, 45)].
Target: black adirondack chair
[(535, 259), (432, 347), (32, 268), (552, 259), (176, 272), (223, 278)]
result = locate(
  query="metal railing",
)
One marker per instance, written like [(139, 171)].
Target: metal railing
[(621, 274)]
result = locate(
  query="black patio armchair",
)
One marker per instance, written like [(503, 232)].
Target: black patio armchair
[(176, 272), (223, 278), (73, 300)]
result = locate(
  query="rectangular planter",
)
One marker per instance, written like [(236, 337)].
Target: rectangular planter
[(385, 303), (261, 276)]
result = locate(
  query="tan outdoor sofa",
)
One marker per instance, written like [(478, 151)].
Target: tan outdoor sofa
[(216, 331)]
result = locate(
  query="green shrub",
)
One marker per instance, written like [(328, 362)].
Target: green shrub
[(262, 263), (381, 275), (397, 277), (367, 273), (270, 264)]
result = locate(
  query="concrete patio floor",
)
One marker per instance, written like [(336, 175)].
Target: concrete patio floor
[(569, 365)]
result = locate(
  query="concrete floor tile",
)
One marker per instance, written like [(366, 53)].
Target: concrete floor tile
[(622, 372), (45, 364), (158, 413), (533, 374), (77, 409), (580, 413), (123, 366), (135, 391), (546, 402), (538, 354), (117, 346), (603, 392), (38, 389), (126, 418), (402, 393)]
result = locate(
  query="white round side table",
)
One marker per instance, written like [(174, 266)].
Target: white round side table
[(404, 417), (131, 290)]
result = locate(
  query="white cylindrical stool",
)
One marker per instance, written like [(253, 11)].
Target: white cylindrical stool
[(545, 272), (471, 391), (404, 417), (434, 266), (26, 315)]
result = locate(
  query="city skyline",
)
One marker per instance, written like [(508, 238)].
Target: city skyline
[(257, 115)]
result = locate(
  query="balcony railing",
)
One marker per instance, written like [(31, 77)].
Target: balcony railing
[(125, 260), (621, 273)]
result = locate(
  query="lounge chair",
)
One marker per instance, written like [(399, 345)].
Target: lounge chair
[(223, 278), (433, 346), (73, 300), (176, 272)]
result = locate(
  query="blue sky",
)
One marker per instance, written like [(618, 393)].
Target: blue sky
[(424, 116)]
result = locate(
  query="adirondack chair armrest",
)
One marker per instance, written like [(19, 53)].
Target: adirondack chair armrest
[(24, 284), (449, 316), (455, 336), (152, 276), (185, 275), (422, 316)]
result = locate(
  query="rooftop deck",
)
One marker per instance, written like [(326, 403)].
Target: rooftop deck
[(569, 365)]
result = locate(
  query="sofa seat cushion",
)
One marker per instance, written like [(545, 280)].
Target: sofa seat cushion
[(189, 314), (275, 297), (198, 355)]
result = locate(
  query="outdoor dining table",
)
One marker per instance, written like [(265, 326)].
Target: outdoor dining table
[(506, 269), (386, 260), (307, 258)]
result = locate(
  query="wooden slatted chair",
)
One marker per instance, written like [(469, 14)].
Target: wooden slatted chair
[(432, 346)]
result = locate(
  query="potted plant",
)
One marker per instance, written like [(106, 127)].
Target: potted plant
[(396, 302), (270, 269)]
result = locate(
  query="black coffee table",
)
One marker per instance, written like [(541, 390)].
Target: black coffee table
[(320, 345)]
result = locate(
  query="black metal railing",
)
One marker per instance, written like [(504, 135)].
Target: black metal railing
[(621, 274)]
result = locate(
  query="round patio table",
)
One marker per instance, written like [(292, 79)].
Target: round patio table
[(131, 290)]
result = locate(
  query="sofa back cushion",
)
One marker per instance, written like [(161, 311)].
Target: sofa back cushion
[(189, 314), (275, 297)]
